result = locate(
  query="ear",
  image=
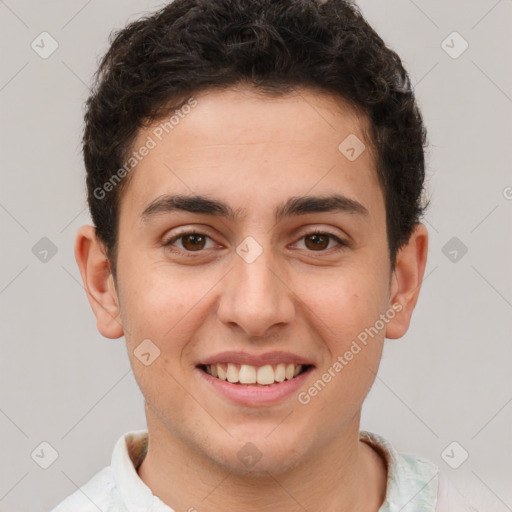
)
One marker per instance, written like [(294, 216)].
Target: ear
[(98, 282), (406, 281)]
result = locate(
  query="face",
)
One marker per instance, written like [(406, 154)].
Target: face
[(257, 312)]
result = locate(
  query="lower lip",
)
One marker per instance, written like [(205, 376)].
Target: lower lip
[(254, 394)]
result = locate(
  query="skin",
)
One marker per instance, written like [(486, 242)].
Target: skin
[(254, 152)]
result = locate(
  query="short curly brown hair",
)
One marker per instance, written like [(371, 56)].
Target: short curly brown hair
[(157, 62)]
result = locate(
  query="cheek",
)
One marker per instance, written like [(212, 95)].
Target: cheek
[(160, 309), (154, 298), (166, 307), (350, 303), (348, 314)]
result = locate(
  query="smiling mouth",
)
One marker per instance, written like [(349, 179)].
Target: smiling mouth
[(246, 374)]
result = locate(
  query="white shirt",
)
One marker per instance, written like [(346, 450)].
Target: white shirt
[(414, 484)]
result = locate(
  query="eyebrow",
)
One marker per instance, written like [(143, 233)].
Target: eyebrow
[(300, 205)]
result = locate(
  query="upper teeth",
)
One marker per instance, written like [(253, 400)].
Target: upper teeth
[(247, 374)]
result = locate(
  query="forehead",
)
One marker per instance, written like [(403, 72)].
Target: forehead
[(243, 146)]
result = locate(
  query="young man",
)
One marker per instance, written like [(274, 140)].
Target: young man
[(255, 172)]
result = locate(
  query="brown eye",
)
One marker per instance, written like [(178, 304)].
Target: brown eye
[(318, 241), (190, 242), (193, 241)]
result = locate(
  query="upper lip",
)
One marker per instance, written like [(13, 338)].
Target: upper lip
[(263, 359)]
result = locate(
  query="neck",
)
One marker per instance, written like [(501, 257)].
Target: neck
[(348, 475)]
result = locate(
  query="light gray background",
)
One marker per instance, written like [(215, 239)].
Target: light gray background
[(447, 380)]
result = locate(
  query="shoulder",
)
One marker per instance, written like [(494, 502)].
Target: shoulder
[(103, 490), (444, 495), (449, 499), (414, 482), (99, 493)]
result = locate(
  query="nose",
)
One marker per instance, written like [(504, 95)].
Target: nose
[(255, 296)]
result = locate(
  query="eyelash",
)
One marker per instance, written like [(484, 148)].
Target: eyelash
[(168, 244)]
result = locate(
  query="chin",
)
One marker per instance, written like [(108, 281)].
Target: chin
[(269, 464), (257, 456)]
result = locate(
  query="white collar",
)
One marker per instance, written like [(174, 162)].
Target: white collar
[(412, 480)]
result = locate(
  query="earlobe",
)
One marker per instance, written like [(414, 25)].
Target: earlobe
[(98, 282), (406, 280)]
